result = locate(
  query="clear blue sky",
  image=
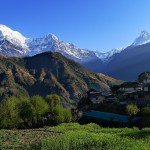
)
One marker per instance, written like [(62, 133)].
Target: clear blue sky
[(91, 24)]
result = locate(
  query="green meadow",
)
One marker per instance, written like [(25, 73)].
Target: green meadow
[(72, 136)]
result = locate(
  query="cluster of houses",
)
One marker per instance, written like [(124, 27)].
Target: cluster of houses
[(128, 92), (97, 97), (134, 92)]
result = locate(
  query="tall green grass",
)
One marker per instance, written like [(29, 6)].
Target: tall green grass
[(93, 137)]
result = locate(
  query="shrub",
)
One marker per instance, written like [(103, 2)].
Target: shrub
[(132, 109), (145, 111)]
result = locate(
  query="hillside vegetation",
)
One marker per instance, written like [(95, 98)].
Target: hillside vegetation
[(48, 73)]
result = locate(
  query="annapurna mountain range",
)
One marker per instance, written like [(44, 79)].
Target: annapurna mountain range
[(13, 43), (125, 63)]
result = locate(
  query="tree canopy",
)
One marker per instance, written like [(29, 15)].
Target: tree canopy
[(32, 111)]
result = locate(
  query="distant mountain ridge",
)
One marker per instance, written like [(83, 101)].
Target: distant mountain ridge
[(12, 43), (128, 64), (113, 62)]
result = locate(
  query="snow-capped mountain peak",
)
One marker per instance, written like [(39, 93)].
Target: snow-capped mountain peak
[(47, 39), (142, 39), (52, 36), (106, 56), (41, 44), (15, 39), (12, 36), (13, 43), (50, 42)]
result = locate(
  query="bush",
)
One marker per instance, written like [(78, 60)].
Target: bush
[(132, 109), (145, 111)]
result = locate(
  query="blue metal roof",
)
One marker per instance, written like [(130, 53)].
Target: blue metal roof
[(109, 116)]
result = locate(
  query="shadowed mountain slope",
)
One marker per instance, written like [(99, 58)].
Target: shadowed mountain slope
[(49, 73)]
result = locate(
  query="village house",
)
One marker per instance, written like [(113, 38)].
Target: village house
[(146, 87), (146, 80), (134, 92), (128, 92), (95, 96), (111, 99), (131, 87)]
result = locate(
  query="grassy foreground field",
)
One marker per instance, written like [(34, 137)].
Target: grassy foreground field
[(73, 136)]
